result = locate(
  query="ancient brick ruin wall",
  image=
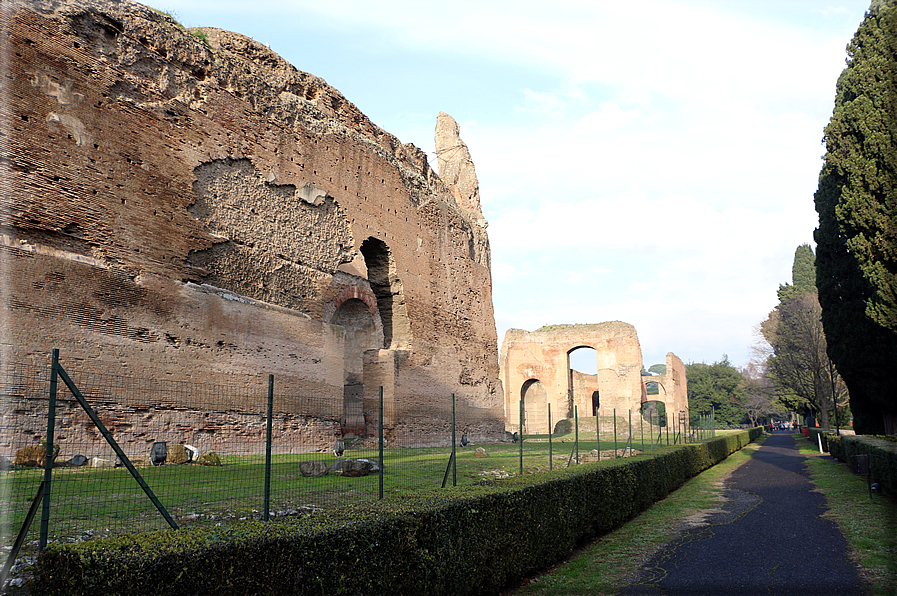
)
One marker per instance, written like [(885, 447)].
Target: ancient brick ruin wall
[(672, 387), (676, 384), (203, 211), (535, 365)]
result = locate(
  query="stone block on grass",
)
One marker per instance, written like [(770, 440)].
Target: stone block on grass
[(313, 469)]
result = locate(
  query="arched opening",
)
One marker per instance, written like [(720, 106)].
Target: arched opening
[(535, 407), (596, 403), (387, 287), (359, 334), (654, 413), (582, 380)]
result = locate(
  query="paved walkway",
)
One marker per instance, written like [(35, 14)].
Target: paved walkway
[(769, 538)]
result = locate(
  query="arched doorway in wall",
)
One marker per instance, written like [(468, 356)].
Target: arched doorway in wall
[(582, 380), (359, 334), (387, 287), (535, 407), (654, 413)]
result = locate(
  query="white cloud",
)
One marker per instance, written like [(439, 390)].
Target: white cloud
[(609, 117)]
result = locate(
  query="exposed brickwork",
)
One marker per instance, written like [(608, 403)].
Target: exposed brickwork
[(198, 211)]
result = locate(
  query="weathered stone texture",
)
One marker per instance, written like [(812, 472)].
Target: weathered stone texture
[(674, 385), (210, 213)]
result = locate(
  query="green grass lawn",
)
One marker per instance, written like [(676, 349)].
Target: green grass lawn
[(868, 524), (91, 502)]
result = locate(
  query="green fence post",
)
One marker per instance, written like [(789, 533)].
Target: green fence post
[(630, 432), (454, 452), (641, 429), (549, 437), (382, 463), (48, 457), (615, 433), (598, 432), (267, 508), (713, 421), (521, 435), (576, 434)]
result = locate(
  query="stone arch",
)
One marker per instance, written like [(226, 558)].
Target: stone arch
[(387, 287), (360, 333), (535, 407), (582, 385), (654, 412)]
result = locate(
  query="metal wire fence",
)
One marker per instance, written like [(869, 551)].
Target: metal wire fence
[(157, 453), (608, 435)]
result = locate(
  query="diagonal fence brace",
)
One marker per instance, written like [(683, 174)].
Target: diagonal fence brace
[(23, 532), (448, 468), (115, 447)]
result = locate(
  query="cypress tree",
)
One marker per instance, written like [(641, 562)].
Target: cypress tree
[(803, 274), (856, 256)]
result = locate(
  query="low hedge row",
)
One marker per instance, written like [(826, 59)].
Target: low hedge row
[(468, 540), (882, 456)]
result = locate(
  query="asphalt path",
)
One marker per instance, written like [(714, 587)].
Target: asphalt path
[(768, 538)]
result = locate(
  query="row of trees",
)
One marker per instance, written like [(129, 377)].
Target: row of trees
[(737, 396), (792, 352), (790, 369)]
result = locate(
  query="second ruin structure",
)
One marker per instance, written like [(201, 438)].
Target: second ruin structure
[(535, 370)]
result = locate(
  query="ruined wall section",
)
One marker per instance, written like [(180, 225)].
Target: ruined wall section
[(676, 384), (137, 151), (286, 254), (543, 355)]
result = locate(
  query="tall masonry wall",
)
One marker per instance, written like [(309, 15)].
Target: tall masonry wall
[(535, 371), (201, 210)]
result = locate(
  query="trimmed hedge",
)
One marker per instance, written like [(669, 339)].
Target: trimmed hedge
[(882, 456), (469, 540)]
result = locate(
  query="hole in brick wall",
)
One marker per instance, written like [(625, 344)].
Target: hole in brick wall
[(582, 376), (535, 407), (387, 287)]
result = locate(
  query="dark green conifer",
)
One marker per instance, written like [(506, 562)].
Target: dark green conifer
[(856, 255)]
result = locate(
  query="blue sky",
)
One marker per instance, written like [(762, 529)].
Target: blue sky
[(650, 162)]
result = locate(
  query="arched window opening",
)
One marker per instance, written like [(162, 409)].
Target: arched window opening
[(582, 380), (655, 413), (359, 334), (535, 407), (387, 287)]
